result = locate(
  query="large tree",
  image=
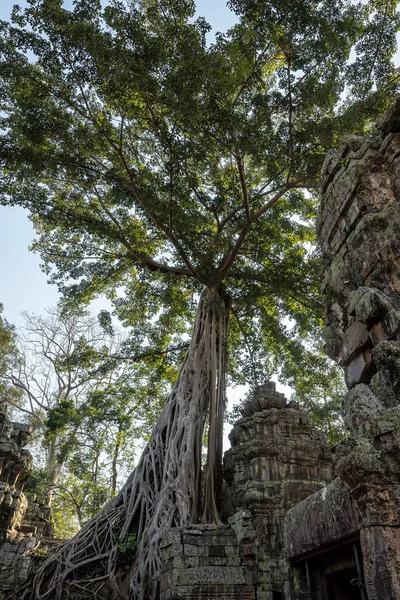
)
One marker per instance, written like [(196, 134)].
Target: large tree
[(177, 172), (8, 352), (52, 386), (80, 399)]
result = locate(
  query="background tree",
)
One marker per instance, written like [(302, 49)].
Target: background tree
[(88, 402), (52, 383), (320, 389), (8, 349), (114, 419), (174, 172)]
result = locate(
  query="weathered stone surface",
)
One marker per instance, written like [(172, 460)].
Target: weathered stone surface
[(386, 383), (203, 563), (325, 517), (359, 229), (15, 466), (368, 304), (359, 409), (381, 550), (359, 369), (276, 460), (354, 341), (38, 515), (19, 538)]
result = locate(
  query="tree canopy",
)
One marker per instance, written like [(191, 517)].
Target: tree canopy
[(154, 164)]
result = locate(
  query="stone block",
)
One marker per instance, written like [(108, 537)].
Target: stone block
[(381, 557), (233, 560), (171, 536), (210, 575), (391, 323), (358, 462), (189, 538), (332, 164), (386, 383), (226, 538), (195, 550), (327, 515), (355, 339), (359, 409), (170, 544), (359, 369), (251, 575), (378, 334), (248, 549), (353, 212), (368, 304), (217, 551)]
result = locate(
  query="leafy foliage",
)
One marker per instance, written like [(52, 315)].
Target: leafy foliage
[(154, 164), (86, 406), (127, 550), (320, 389), (8, 352)]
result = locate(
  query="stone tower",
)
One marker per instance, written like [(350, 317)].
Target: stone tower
[(277, 459), (359, 233)]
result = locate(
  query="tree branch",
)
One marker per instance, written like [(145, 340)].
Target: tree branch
[(152, 264), (239, 160)]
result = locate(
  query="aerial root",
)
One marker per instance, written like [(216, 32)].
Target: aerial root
[(164, 489)]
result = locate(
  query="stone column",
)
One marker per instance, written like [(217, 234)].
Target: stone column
[(359, 233)]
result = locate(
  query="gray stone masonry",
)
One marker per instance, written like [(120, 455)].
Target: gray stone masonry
[(204, 562), (19, 539), (15, 467), (277, 459), (329, 515), (359, 233)]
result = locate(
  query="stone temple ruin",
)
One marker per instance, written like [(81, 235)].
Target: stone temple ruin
[(302, 520), (22, 525)]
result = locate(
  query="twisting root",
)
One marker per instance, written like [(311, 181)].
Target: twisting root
[(165, 488)]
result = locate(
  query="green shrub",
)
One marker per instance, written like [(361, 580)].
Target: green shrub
[(127, 551)]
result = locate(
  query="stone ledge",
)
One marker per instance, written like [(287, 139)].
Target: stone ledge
[(321, 519)]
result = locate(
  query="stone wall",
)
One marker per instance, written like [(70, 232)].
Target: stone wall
[(205, 562), (22, 545), (15, 467), (359, 231), (15, 563)]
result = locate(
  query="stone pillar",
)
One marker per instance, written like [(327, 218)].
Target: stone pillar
[(359, 232), (277, 459)]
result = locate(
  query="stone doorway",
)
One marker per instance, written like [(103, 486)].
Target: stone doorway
[(339, 585), (331, 573)]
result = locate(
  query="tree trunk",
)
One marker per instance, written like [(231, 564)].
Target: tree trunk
[(114, 464), (53, 468), (165, 488)]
